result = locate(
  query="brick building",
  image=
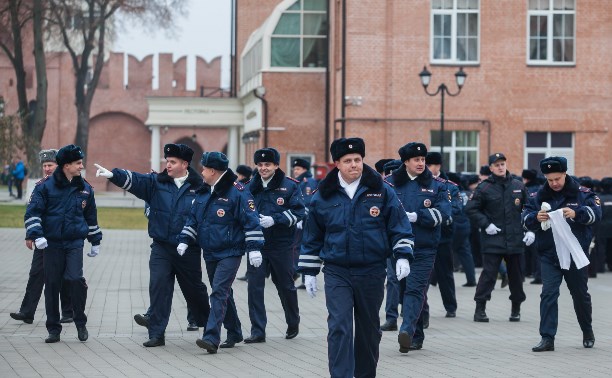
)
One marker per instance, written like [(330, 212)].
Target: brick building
[(538, 79)]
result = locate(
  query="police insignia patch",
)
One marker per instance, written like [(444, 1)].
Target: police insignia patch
[(308, 190), (427, 202), (374, 211), (450, 198), (220, 213), (83, 204), (280, 201), (517, 201), (251, 205), (597, 201)]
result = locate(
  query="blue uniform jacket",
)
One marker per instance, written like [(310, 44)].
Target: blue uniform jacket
[(169, 205), (282, 200), (578, 198), (429, 198), (224, 223), (64, 212), (307, 185), (457, 214), (358, 233)]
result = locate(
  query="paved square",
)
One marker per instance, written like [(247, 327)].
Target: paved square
[(118, 289)]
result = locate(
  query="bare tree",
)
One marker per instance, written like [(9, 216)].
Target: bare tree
[(15, 17), (86, 26)]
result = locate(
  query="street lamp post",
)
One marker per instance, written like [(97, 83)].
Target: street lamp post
[(460, 77)]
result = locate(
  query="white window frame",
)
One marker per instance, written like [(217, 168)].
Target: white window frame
[(453, 149), (566, 152), (281, 10), (453, 13), (293, 155), (549, 13)]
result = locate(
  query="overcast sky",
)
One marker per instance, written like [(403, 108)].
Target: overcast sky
[(205, 32)]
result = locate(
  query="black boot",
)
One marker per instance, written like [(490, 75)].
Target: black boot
[(480, 315), (588, 339), (545, 345), (515, 315)]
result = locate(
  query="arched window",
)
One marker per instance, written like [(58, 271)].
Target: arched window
[(300, 36)]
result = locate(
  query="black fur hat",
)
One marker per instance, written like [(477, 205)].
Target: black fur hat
[(68, 154), (180, 151)]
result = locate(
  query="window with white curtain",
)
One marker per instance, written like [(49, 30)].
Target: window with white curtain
[(551, 32), (455, 31), (300, 37)]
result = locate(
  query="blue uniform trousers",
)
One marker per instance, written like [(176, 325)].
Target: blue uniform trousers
[(393, 292), (576, 280), (280, 260), (443, 271), (416, 285), (355, 292), (59, 265), (34, 289), (463, 249), (164, 265), (221, 275), (491, 263)]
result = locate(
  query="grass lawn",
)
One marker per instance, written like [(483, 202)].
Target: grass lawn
[(108, 217)]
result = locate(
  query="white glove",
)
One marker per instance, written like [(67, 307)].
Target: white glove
[(529, 238), (402, 269), (95, 249), (103, 172), (300, 225), (41, 243), (265, 221), (412, 217), (492, 229), (546, 224), (182, 247), (311, 285), (255, 258)]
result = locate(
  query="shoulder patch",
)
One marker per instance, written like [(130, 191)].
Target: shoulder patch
[(388, 183), (451, 182), (42, 180), (238, 186), (584, 189), (246, 183), (292, 179), (533, 194), (597, 201), (440, 179)]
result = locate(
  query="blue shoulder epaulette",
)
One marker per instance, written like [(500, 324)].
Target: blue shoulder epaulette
[(440, 179), (391, 185), (452, 182), (533, 194), (238, 186), (584, 189), (42, 180), (292, 179)]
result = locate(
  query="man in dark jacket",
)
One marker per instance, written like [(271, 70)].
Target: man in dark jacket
[(532, 261), (307, 184), (355, 222), (603, 236), (581, 209), (36, 279), (61, 214), (280, 204), (495, 207), (224, 223), (169, 195)]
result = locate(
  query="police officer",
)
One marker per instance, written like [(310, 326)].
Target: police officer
[(603, 238), (170, 195), (461, 234), (244, 173), (225, 224), (427, 205), (280, 204), (355, 222), (394, 292), (495, 207), (581, 209), (532, 260), (60, 215), (36, 278), (443, 266), (380, 166), (307, 184)]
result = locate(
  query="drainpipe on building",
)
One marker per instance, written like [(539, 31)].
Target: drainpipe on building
[(327, 89), (260, 92), (343, 107)]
